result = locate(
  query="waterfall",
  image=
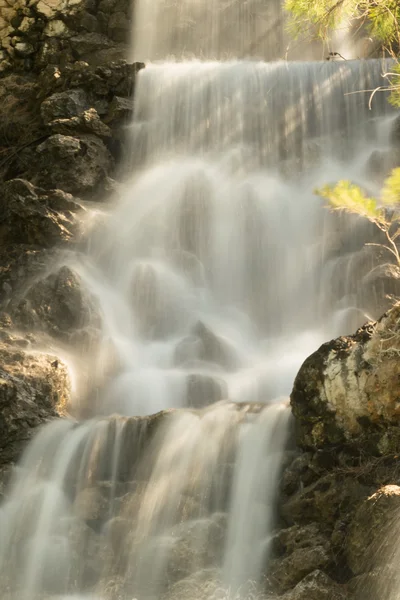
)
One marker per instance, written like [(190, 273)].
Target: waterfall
[(217, 273)]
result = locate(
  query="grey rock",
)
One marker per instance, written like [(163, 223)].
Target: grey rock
[(29, 215), (87, 122), (64, 105), (317, 586), (57, 304), (75, 165)]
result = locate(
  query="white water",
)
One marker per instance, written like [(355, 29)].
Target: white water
[(211, 273)]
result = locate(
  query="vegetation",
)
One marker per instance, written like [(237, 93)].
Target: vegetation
[(381, 18), (384, 213)]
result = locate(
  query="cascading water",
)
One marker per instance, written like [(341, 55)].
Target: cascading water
[(210, 274)]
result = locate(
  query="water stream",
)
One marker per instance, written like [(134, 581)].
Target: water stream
[(216, 272)]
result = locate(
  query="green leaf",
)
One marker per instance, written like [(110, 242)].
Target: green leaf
[(391, 189), (350, 198)]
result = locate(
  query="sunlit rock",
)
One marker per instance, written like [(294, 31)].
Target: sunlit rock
[(348, 390), (34, 388)]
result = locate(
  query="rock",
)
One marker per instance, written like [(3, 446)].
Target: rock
[(33, 390), (347, 390), (294, 538), (119, 27), (20, 122), (29, 215), (378, 288), (203, 390), (286, 572), (373, 531), (317, 586), (87, 122), (324, 501), (381, 162), (301, 472), (24, 49), (57, 304), (215, 348), (86, 44), (92, 505), (195, 545), (120, 110), (64, 105), (75, 165)]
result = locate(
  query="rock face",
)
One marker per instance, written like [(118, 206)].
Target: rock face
[(371, 531), (347, 391), (34, 388), (57, 304), (30, 215), (77, 165)]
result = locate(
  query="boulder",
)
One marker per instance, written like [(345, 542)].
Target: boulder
[(317, 586), (373, 535), (75, 165), (347, 391), (57, 304), (34, 388), (214, 348), (203, 390), (87, 122), (303, 558), (64, 105), (29, 215)]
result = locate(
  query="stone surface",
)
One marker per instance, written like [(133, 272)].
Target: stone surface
[(64, 105), (346, 392), (304, 549), (57, 304), (29, 215), (87, 122), (317, 586), (75, 165), (371, 533), (34, 388)]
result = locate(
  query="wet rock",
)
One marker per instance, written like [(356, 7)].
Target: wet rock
[(57, 304), (203, 390), (346, 392), (29, 215), (379, 287), (75, 165), (317, 586), (92, 505), (381, 162), (214, 348), (372, 529), (34, 388), (196, 545), (286, 572), (64, 105)]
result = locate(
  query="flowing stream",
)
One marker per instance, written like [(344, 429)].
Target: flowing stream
[(217, 272)]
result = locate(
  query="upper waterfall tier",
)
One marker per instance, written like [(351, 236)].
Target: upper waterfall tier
[(266, 112)]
